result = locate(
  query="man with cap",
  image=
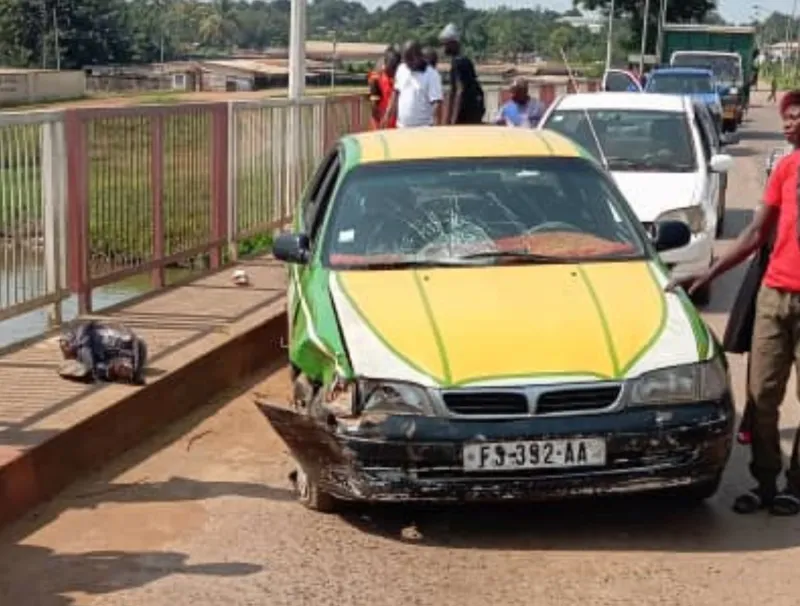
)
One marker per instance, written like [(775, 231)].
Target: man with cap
[(465, 103)]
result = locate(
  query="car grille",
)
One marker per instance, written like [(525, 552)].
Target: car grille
[(487, 403), (577, 400)]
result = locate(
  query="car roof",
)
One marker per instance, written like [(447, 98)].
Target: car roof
[(484, 141), (632, 100), (683, 70)]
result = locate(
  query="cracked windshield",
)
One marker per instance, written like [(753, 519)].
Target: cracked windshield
[(469, 212), (631, 139)]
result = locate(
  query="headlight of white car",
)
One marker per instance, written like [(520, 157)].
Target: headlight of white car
[(693, 216), (393, 398), (700, 382)]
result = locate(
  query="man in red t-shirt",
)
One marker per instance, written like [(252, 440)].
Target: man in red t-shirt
[(381, 87), (776, 329)]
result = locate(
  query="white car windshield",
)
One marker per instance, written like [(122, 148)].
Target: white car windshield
[(637, 140), (477, 211)]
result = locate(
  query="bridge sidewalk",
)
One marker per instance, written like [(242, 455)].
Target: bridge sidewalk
[(203, 337)]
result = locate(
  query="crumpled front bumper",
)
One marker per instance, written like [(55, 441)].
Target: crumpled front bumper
[(398, 458)]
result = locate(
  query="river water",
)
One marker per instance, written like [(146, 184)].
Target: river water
[(27, 280)]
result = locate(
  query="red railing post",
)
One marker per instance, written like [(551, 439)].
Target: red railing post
[(157, 197), (219, 180), (78, 270)]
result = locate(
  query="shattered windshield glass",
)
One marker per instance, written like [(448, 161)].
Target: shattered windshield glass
[(463, 212)]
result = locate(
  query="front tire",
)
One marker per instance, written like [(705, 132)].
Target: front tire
[(310, 495), (729, 126), (721, 204)]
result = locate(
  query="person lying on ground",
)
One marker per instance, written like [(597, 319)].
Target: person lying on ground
[(95, 351)]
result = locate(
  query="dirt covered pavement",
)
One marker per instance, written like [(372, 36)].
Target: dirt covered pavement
[(203, 516)]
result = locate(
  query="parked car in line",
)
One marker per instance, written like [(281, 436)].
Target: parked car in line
[(481, 316), (620, 81), (663, 157), (698, 83)]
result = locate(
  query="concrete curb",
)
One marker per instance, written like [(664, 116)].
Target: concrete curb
[(41, 472)]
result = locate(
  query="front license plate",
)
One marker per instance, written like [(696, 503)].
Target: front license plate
[(541, 454), (729, 113)]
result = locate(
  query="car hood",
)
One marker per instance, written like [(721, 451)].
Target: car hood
[(508, 325), (652, 193)]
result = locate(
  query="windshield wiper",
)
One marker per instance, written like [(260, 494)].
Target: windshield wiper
[(517, 255), (407, 264)]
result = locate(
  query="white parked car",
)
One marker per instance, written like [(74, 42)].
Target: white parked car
[(664, 155)]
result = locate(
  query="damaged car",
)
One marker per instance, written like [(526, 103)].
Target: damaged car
[(477, 314)]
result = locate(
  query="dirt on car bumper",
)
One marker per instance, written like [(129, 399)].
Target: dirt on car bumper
[(402, 458)]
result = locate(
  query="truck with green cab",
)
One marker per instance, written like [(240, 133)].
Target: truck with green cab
[(728, 51)]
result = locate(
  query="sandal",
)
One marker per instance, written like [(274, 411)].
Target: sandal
[(785, 504), (752, 501)]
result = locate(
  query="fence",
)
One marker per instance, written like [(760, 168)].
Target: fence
[(18, 87), (91, 196)]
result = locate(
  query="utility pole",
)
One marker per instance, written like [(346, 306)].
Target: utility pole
[(55, 31), (789, 23), (333, 62), (610, 36), (645, 20), (662, 20)]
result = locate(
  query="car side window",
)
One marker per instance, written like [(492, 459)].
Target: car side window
[(323, 197), (710, 130), (310, 204), (705, 143)]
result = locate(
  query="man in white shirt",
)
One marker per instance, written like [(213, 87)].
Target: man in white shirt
[(417, 98)]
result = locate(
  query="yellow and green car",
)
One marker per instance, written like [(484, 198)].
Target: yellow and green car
[(475, 313)]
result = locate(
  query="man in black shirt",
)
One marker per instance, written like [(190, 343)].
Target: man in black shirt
[(465, 104)]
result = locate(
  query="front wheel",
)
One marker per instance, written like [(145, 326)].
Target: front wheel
[(722, 201), (310, 495), (729, 126)]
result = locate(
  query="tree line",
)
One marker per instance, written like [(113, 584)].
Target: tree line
[(78, 33)]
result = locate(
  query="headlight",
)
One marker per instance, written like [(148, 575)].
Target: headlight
[(733, 90), (392, 398), (701, 382), (693, 216)]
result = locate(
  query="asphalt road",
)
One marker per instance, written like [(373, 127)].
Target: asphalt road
[(203, 515)]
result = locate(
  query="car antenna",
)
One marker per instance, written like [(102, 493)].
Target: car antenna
[(585, 111)]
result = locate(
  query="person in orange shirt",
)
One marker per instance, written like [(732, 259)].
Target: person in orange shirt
[(381, 87)]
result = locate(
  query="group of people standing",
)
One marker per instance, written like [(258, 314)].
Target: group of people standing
[(407, 90)]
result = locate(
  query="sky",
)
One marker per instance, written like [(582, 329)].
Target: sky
[(731, 10)]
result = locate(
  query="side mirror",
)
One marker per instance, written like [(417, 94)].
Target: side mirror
[(730, 138), (720, 163), (670, 235), (291, 248)]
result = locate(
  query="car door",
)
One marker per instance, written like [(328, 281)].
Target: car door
[(620, 81), (709, 146), (313, 208)]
